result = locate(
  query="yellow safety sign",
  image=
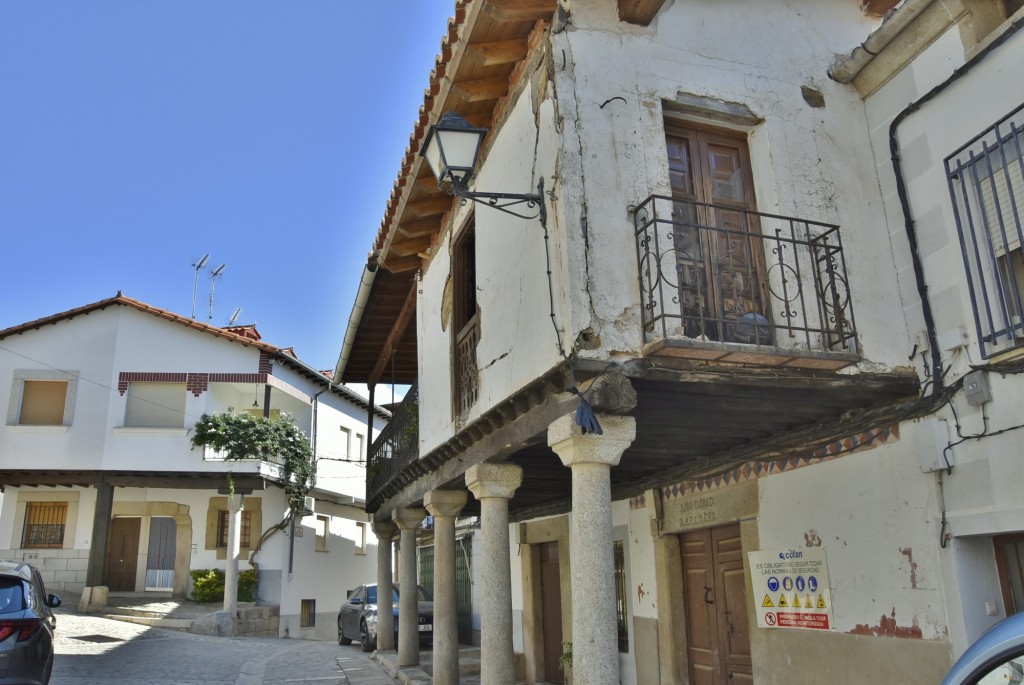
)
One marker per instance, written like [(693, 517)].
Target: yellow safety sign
[(767, 602)]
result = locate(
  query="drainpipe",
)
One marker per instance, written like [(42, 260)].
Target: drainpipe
[(369, 427), (901, 190), (356, 315), (312, 444)]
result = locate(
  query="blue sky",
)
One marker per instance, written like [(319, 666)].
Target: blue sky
[(138, 135)]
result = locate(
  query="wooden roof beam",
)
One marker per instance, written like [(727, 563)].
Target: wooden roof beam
[(433, 206), (397, 331), (499, 52), (520, 10), (482, 90), (640, 12)]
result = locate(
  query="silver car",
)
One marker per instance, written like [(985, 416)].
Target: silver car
[(996, 657), (26, 625)]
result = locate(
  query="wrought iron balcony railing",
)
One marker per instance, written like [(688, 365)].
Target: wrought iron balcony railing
[(723, 274), (397, 446)]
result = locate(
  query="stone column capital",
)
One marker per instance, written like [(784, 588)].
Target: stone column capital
[(573, 447), (494, 480), (235, 503), (445, 503), (384, 530), (409, 518)]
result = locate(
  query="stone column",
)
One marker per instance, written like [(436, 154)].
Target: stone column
[(385, 532), (595, 649), (494, 485), (444, 506), (408, 520), (235, 507)]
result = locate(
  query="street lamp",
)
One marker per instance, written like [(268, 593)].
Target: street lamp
[(451, 148)]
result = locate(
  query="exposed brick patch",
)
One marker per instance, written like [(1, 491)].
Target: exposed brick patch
[(126, 377), (196, 382), (887, 628), (265, 365)]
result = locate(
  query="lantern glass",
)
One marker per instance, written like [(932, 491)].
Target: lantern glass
[(451, 149)]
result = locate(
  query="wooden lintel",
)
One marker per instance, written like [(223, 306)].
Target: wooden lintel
[(639, 12), (397, 331), (499, 52), (482, 90), (520, 10)]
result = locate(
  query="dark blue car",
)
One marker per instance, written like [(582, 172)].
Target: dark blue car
[(357, 618), (27, 625)]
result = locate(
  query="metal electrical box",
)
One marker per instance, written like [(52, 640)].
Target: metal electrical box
[(932, 440), (977, 388)]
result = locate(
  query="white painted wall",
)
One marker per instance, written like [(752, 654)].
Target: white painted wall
[(600, 155), (517, 340), (876, 516), (118, 339), (811, 163), (980, 492)]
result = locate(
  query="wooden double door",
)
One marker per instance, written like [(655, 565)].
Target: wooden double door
[(722, 289), (714, 590)]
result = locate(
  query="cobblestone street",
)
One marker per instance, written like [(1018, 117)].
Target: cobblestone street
[(91, 650)]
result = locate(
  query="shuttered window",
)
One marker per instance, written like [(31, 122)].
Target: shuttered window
[(155, 405), (42, 403)]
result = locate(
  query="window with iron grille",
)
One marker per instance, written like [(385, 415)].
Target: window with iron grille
[(465, 319), (222, 528), (44, 524), (986, 182), (621, 614), (307, 615)]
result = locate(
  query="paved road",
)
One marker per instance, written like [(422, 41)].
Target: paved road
[(93, 650)]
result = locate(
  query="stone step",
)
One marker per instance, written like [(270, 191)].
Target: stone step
[(181, 624)]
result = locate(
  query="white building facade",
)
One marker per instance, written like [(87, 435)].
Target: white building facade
[(103, 488), (724, 270)]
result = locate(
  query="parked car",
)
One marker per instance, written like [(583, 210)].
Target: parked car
[(357, 618), (996, 657), (26, 625)]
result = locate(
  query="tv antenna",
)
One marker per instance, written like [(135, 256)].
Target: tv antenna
[(195, 284), (234, 316), (213, 282)]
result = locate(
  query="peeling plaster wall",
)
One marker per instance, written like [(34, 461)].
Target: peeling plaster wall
[(816, 163), (876, 516), (517, 339)]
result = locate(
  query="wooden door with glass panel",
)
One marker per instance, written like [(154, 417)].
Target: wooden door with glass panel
[(719, 258)]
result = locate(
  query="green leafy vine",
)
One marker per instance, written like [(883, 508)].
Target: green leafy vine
[(244, 436)]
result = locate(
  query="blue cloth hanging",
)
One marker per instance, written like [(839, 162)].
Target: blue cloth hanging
[(585, 417)]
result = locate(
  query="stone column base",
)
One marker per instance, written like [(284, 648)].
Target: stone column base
[(98, 595)]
